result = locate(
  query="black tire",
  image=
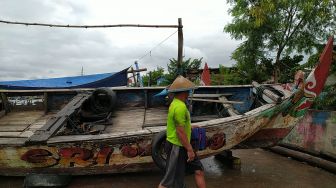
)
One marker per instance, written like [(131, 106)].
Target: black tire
[(158, 150), (103, 100)]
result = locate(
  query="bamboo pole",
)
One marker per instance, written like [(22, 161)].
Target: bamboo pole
[(134, 77), (86, 26), (180, 47), (139, 70), (216, 101), (316, 161)]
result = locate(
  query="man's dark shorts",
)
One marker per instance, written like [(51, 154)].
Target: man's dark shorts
[(177, 166)]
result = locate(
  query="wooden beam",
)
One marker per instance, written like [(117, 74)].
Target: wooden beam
[(86, 26), (57, 122), (216, 101), (229, 108), (180, 47), (12, 141), (134, 78), (211, 95), (45, 102), (2, 113), (268, 95), (5, 102), (325, 164), (138, 70)]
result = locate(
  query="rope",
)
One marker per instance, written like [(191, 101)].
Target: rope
[(150, 51)]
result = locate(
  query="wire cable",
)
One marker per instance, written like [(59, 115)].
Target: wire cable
[(150, 51)]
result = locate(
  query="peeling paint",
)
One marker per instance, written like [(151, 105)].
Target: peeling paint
[(315, 133)]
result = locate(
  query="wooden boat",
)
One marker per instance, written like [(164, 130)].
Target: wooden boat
[(119, 129)]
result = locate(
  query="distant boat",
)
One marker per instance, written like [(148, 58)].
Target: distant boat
[(112, 79)]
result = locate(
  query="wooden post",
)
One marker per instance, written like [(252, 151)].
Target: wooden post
[(180, 47), (150, 79), (45, 102), (5, 102), (146, 98), (133, 72), (138, 74)]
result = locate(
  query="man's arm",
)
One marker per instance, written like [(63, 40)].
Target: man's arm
[(184, 141)]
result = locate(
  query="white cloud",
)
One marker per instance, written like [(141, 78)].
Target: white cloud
[(40, 52)]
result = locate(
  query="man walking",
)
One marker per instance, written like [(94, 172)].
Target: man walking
[(180, 154)]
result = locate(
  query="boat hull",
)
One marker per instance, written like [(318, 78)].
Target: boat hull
[(112, 153)]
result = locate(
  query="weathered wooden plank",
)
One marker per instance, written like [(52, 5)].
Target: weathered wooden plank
[(114, 88), (268, 95), (216, 101), (155, 117), (21, 116), (155, 124), (2, 113), (36, 126), (45, 102), (80, 138), (26, 134), (163, 121), (4, 99), (55, 123), (12, 128), (10, 134), (211, 95), (12, 141), (203, 118), (126, 120), (230, 109), (24, 122)]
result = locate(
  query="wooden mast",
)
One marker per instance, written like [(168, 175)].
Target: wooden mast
[(180, 47)]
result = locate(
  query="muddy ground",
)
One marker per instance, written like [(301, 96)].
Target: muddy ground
[(259, 168)]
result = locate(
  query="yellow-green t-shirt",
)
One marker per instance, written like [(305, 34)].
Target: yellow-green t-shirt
[(178, 115)]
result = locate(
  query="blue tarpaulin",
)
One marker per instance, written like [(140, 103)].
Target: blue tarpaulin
[(88, 81)]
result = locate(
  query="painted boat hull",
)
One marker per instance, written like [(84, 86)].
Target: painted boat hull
[(131, 150)]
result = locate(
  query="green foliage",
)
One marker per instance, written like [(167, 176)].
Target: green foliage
[(227, 76), (187, 66), (150, 79), (278, 26), (261, 72), (327, 99), (288, 67)]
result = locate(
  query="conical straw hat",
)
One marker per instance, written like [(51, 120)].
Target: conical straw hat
[(181, 84)]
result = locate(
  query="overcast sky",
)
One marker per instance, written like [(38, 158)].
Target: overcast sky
[(29, 52)]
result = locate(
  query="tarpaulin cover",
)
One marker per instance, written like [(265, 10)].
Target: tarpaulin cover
[(87, 81)]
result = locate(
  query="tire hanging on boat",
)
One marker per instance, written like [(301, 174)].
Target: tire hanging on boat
[(103, 100), (158, 150)]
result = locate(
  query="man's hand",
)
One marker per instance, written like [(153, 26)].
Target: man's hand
[(191, 155)]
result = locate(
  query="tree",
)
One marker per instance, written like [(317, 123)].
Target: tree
[(278, 27), (288, 66), (240, 73), (228, 76), (187, 66), (327, 99), (151, 78)]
